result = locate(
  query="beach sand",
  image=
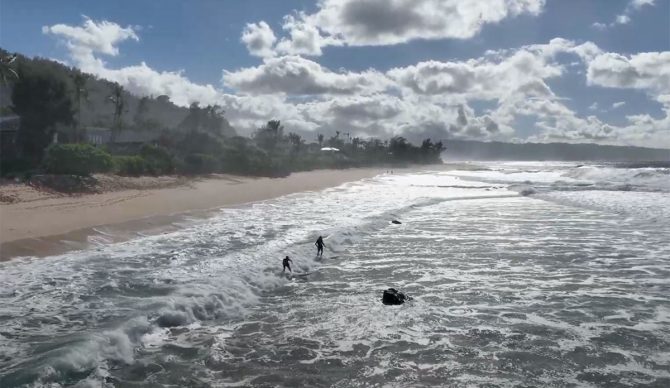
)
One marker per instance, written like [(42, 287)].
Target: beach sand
[(42, 224)]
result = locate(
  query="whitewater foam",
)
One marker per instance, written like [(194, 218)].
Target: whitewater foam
[(556, 288)]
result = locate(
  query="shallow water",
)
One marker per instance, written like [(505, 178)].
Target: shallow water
[(508, 290)]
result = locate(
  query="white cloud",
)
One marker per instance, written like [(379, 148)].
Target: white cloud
[(523, 72), (304, 38), (144, 81), (647, 71), (259, 39), (93, 37), (428, 99), (103, 37), (299, 76), (622, 19), (415, 117), (594, 106), (389, 22), (618, 104), (383, 22), (625, 17), (637, 4)]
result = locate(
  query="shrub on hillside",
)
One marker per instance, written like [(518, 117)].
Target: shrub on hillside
[(130, 165), (200, 164), (77, 159), (241, 156), (157, 160)]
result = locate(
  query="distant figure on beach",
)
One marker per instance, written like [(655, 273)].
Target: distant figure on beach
[(286, 264), (319, 246)]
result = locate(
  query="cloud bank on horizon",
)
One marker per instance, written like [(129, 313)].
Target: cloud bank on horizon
[(430, 98)]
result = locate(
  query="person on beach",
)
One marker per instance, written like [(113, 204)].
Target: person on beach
[(285, 262), (319, 246)]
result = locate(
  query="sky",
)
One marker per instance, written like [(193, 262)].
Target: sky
[(507, 70)]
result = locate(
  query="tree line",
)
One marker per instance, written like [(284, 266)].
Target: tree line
[(52, 100)]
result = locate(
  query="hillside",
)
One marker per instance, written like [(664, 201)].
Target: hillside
[(139, 113), (476, 150)]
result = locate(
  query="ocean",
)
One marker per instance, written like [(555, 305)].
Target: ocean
[(522, 274)]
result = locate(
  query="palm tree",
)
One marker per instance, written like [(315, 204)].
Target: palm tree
[(319, 138), (355, 143), (6, 71), (275, 128), (193, 119), (141, 112), (80, 92), (213, 117), (296, 141), (268, 136), (117, 99)]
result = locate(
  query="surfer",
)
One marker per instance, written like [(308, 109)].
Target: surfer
[(319, 246), (285, 262)]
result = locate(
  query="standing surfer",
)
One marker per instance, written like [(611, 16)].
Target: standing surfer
[(286, 262), (319, 246)]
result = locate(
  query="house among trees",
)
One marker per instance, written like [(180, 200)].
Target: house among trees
[(103, 136)]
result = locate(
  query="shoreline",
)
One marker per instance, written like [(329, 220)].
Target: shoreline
[(51, 225)]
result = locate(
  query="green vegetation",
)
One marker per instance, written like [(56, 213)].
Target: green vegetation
[(41, 99), (77, 159), (200, 164), (129, 165), (60, 108), (157, 160)]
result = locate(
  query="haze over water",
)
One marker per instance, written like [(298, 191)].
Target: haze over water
[(566, 285)]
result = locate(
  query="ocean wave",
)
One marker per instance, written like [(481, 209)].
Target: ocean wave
[(106, 302), (522, 286)]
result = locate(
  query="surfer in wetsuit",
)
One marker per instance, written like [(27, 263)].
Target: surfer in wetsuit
[(285, 262), (319, 246)]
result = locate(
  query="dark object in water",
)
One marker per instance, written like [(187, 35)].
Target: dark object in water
[(393, 296), (527, 191), (396, 222)]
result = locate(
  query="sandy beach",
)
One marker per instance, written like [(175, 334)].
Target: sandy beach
[(40, 224)]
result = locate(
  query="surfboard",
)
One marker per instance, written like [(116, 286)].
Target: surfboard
[(302, 274)]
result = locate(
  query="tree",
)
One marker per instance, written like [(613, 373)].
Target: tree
[(213, 120), (355, 143), (80, 92), (399, 148), (439, 147), (140, 118), (7, 72), (118, 100), (41, 99), (319, 138), (209, 119), (296, 142), (335, 141), (191, 122), (269, 136)]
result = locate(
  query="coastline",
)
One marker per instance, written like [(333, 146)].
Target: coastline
[(54, 224)]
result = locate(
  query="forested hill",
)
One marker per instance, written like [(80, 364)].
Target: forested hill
[(476, 150), (70, 123), (97, 110)]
